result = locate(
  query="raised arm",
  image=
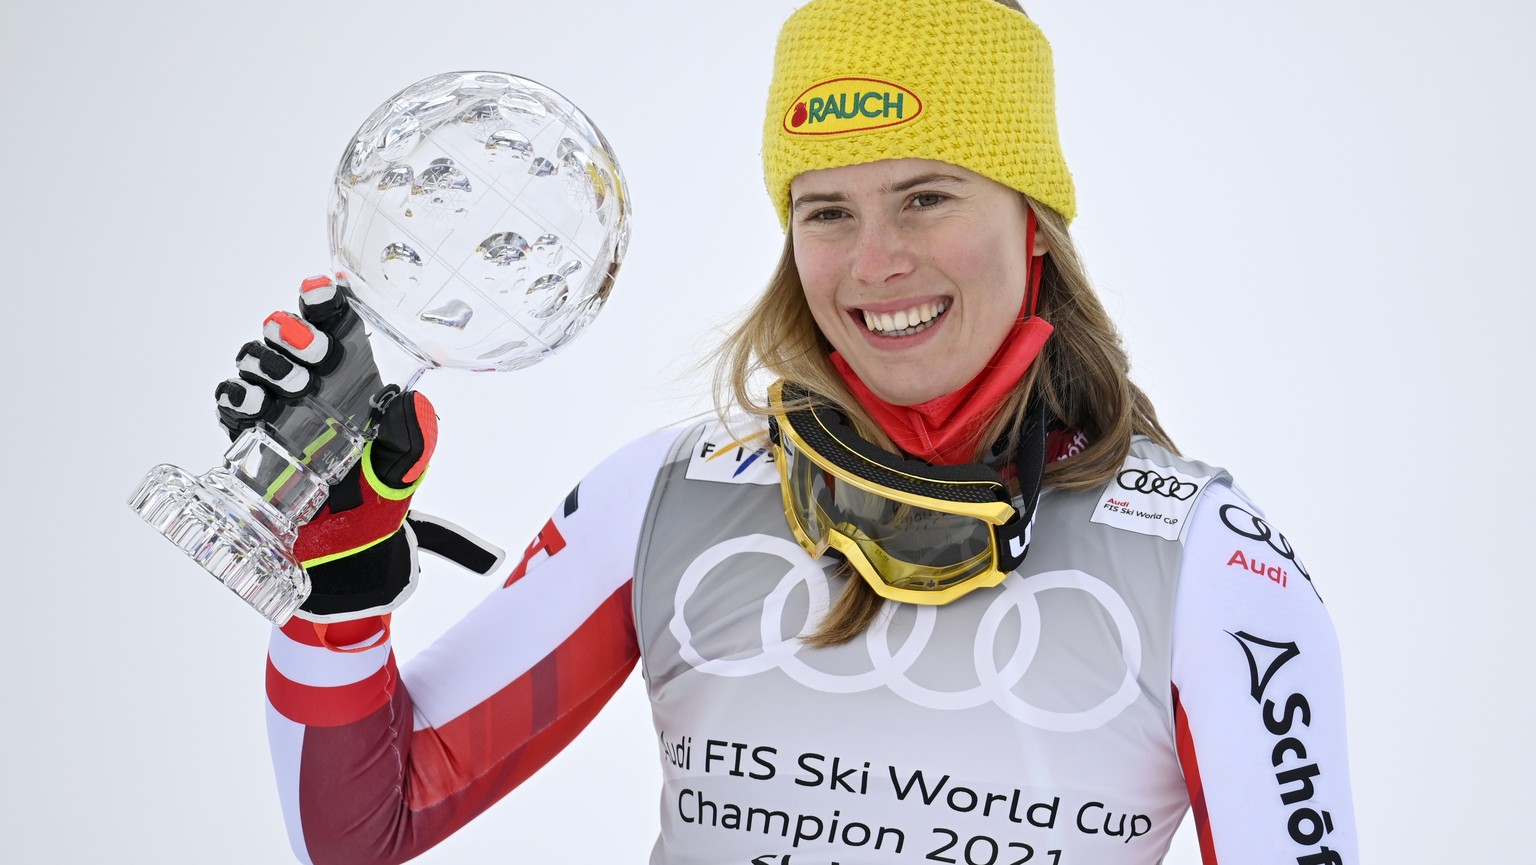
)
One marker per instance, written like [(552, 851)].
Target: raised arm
[(376, 763)]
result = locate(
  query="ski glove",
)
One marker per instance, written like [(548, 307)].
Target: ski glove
[(360, 549)]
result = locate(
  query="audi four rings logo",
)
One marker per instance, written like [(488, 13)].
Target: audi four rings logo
[(1249, 525), (1144, 481), (892, 668)]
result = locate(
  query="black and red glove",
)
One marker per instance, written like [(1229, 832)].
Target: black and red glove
[(360, 549)]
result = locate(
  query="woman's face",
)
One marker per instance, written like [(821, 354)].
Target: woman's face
[(915, 270)]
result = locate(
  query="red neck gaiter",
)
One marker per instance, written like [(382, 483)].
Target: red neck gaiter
[(944, 430)]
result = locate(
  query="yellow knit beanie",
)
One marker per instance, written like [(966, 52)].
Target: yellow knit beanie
[(968, 82)]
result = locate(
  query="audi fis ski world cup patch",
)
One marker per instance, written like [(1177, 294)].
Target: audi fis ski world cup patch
[(740, 455), (1149, 499)]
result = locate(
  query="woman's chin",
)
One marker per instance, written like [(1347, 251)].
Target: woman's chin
[(907, 390)]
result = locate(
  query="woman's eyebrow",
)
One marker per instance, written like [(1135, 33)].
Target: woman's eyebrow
[(931, 178), (927, 179), (818, 198)]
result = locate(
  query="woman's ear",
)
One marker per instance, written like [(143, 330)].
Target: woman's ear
[(1042, 246)]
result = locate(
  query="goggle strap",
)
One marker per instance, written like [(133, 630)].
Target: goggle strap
[(1029, 468), (828, 431), (1013, 543)]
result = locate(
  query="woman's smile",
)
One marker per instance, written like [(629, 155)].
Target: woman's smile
[(904, 322)]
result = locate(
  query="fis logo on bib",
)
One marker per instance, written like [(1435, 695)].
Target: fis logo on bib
[(723, 457), (851, 105)]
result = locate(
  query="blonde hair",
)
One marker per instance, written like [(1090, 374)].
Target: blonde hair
[(1083, 375)]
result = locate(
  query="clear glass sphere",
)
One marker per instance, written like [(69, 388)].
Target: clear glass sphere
[(481, 218)]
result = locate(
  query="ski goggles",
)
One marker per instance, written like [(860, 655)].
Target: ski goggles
[(917, 533)]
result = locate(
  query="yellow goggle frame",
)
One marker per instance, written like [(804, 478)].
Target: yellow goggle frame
[(875, 528)]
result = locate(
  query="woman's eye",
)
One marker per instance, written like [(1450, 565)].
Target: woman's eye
[(928, 199), (825, 215)]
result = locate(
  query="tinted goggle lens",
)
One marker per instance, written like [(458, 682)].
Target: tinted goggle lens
[(908, 546)]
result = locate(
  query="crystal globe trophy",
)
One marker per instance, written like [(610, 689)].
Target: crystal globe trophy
[(478, 220)]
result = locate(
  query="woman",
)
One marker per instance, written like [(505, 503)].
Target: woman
[(1049, 635)]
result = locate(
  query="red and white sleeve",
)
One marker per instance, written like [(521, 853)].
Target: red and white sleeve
[(378, 762)]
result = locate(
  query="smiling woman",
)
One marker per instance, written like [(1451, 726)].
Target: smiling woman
[(873, 237), (943, 591)]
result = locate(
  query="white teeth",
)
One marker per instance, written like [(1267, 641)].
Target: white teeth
[(904, 322)]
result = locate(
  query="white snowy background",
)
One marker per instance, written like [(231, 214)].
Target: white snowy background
[(1312, 219)]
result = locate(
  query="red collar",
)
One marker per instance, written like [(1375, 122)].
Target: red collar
[(946, 430)]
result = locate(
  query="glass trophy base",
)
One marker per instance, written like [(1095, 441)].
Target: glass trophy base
[(230, 538)]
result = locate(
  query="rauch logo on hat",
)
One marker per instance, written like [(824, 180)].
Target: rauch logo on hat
[(851, 105)]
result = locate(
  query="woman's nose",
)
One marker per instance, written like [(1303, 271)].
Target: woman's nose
[(881, 254)]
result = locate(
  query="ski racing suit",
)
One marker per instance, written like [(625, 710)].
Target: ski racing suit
[(1161, 648)]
